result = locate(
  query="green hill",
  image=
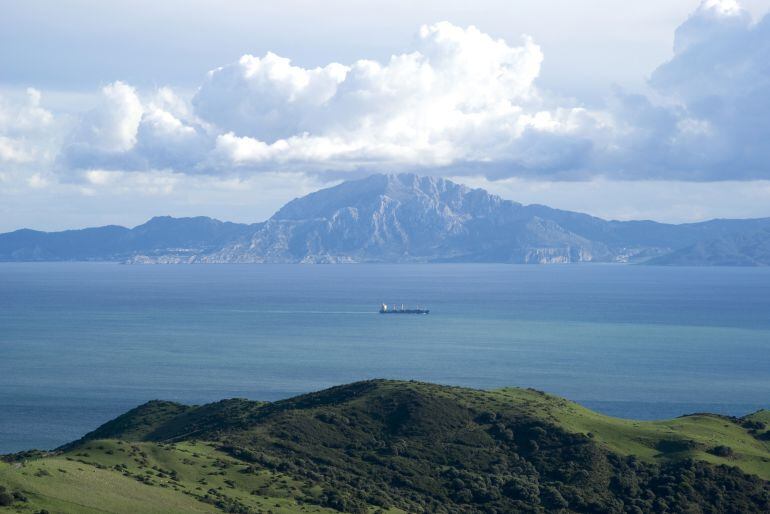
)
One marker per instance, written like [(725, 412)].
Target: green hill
[(384, 446)]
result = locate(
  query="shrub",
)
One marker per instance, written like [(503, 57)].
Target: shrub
[(553, 498), (5, 499), (753, 425), (722, 451), (520, 488)]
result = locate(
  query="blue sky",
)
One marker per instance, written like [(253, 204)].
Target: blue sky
[(112, 112)]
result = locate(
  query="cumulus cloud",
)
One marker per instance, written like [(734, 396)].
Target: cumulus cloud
[(24, 125), (461, 96), (719, 79), (461, 102), (112, 126), (106, 132), (125, 132), (171, 136), (266, 97)]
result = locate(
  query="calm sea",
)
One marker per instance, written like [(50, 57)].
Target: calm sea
[(82, 342)]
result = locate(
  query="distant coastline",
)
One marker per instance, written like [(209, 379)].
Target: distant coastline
[(404, 219)]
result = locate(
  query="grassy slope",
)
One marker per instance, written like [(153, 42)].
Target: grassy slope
[(59, 485), (113, 476), (653, 441), (762, 416), (147, 472)]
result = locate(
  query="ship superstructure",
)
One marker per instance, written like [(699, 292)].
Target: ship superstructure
[(396, 309)]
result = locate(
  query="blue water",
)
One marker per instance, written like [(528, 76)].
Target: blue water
[(82, 342)]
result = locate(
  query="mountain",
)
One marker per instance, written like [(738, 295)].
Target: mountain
[(400, 218), (387, 446), (406, 218), (742, 249), (159, 236)]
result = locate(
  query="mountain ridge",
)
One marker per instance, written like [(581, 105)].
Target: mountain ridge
[(403, 218), (381, 446)]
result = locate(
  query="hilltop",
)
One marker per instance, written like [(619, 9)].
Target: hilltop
[(404, 218), (742, 249), (388, 446)]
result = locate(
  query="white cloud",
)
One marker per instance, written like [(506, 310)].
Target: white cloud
[(266, 97), (716, 51), (461, 102), (14, 150), (37, 181), (720, 78), (28, 117), (113, 125), (24, 129), (460, 96), (165, 141), (124, 131), (464, 102), (721, 8)]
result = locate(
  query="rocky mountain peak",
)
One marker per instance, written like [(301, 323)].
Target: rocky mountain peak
[(367, 194), (404, 218)]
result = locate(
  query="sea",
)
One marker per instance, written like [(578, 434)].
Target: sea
[(80, 343)]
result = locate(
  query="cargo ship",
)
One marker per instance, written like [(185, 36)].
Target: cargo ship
[(385, 309)]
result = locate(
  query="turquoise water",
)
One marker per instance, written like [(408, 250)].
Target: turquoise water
[(83, 342)]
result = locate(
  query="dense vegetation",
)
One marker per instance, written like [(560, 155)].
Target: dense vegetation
[(402, 447)]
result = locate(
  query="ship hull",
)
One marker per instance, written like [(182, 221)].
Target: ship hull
[(406, 311)]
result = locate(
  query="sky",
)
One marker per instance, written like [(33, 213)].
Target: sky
[(112, 112)]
